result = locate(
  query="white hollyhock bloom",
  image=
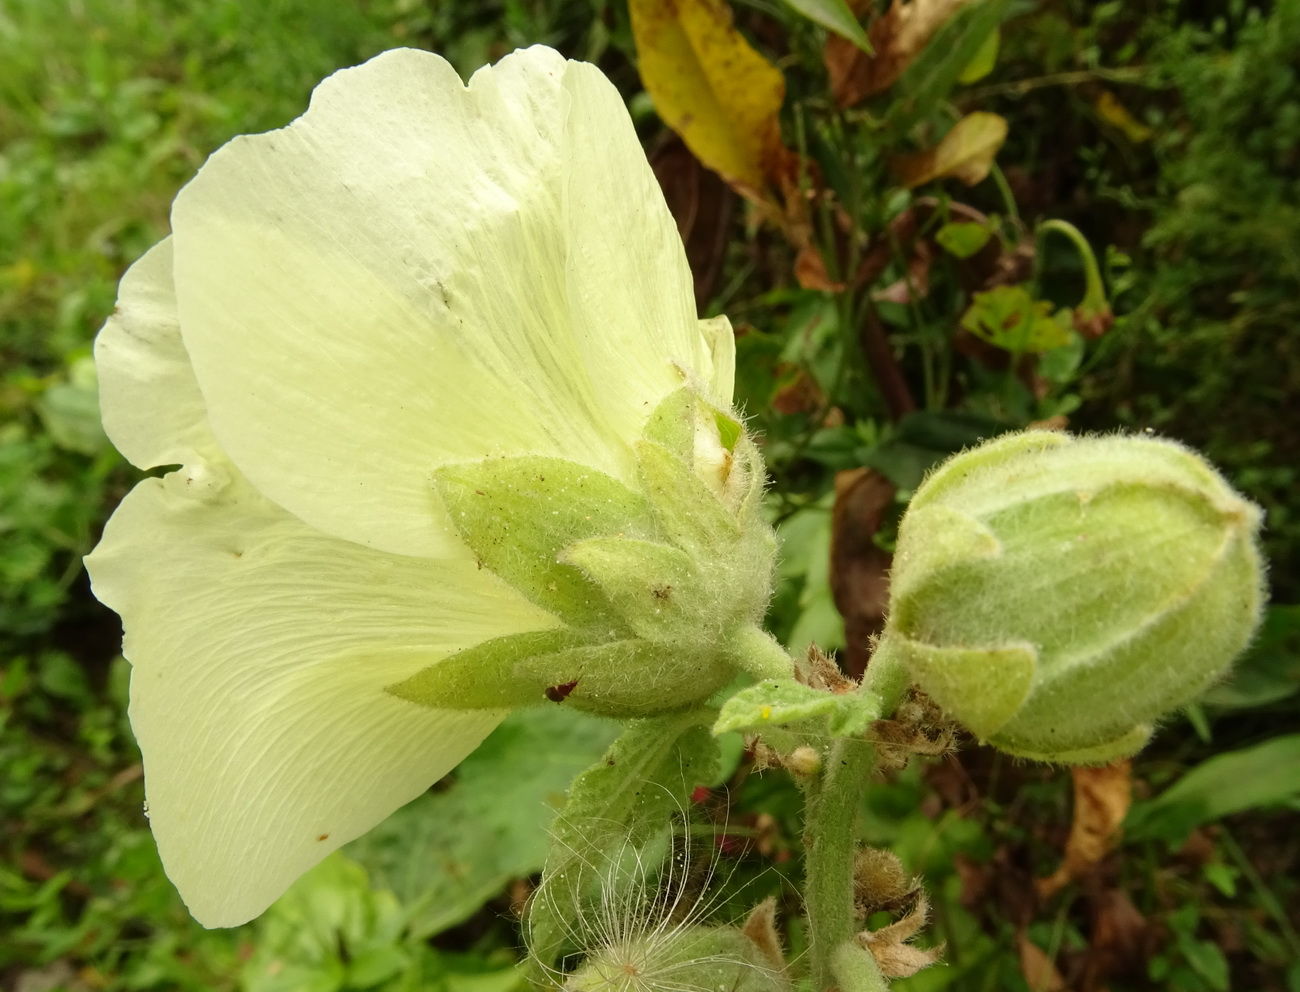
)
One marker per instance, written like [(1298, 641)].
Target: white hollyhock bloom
[(415, 273)]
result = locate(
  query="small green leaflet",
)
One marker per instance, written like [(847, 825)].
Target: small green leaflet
[(834, 15), (777, 703)]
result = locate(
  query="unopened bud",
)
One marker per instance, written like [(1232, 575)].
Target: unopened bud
[(1057, 595), (694, 957)]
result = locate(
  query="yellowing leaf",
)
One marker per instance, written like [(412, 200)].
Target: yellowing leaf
[(712, 88), (1117, 116), (966, 152), (1007, 317)]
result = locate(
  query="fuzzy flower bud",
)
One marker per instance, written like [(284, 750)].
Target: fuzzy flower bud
[(1057, 594)]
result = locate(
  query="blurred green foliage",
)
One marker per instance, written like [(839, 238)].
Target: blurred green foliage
[(1190, 192)]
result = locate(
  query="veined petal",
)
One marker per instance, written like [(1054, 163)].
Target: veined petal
[(260, 652), (148, 398), (416, 273)]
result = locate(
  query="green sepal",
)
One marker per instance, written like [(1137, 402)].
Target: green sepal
[(939, 539), (633, 792), (729, 429), (778, 703), (503, 673), (986, 685), (690, 514), (517, 514), (618, 678), (672, 424), (656, 589)]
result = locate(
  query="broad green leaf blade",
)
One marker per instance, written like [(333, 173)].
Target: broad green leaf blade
[(448, 852), (1254, 777), (834, 15)]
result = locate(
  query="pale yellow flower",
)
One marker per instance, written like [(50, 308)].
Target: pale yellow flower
[(415, 273)]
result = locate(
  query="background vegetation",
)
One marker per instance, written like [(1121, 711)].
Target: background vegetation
[(1167, 131)]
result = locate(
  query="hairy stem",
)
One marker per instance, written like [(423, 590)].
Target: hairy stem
[(830, 832)]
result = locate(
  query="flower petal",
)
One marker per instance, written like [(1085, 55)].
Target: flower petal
[(148, 398), (261, 650), (416, 273)]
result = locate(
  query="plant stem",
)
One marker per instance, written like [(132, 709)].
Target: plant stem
[(829, 830)]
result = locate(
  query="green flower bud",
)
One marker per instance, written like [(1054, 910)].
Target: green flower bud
[(1057, 595), (693, 957)]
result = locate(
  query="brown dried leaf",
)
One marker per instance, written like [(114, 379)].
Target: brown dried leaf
[(860, 569), (760, 928), (965, 153), (702, 205), (713, 89), (810, 271), (1040, 974), (915, 286), (1101, 801), (897, 38), (889, 945), (1119, 939)]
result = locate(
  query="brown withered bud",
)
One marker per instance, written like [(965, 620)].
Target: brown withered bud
[(879, 882)]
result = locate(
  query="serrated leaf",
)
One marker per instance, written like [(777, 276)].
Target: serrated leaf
[(834, 15), (712, 88), (774, 703), (1008, 317), (448, 852), (965, 153)]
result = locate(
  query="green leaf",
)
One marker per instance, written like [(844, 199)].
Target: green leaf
[(450, 851), (963, 238), (330, 919), (644, 779), (778, 703), (517, 514), (1008, 317), (1270, 670), (984, 60), (1254, 777), (930, 79), (834, 15)]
